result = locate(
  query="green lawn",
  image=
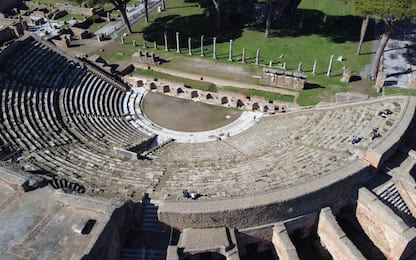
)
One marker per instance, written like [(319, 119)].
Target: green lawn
[(68, 17), (96, 26), (289, 43), (399, 91), (52, 2), (201, 85), (315, 41)]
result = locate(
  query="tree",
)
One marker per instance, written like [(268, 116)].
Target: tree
[(364, 26), (217, 9), (389, 12), (146, 11), (269, 17), (120, 5)]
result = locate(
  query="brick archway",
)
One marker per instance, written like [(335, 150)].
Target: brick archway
[(240, 103), (224, 100)]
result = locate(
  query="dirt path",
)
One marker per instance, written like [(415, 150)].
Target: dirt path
[(217, 81)]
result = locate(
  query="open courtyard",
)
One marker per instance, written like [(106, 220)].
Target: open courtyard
[(186, 115)]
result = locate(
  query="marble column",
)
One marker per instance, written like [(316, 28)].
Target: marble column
[(166, 41), (230, 51), (328, 73), (202, 46), (189, 46), (214, 47), (178, 48)]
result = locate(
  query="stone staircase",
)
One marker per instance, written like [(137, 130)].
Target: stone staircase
[(149, 221), (143, 254), (151, 230), (391, 197)]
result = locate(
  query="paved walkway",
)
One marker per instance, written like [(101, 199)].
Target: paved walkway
[(245, 121), (133, 13), (399, 55), (399, 60)]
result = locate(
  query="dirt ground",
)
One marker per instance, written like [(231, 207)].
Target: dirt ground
[(186, 115)]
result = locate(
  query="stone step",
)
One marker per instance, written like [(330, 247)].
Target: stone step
[(149, 221), (391, 197), (143, 254)]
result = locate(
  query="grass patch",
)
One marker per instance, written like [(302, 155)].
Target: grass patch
[(96, 26), (52, 2), (289, 44), (201, 85), (260, 93), (68, 17), (399, 91)]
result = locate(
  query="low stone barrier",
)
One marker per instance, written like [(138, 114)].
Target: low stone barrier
[(282, 243), (334, 239)]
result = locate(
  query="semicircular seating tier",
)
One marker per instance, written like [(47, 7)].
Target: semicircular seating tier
[(67, 117), (279, 150)]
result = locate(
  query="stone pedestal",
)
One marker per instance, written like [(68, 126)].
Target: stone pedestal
[(346, 75)]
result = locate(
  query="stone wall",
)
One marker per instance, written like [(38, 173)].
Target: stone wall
[(284, 79), (9, 51), (13, 31), (8, 4), (63, 7), (6, 34), (282, 243), (335, 188), (334, 239), (111, 240), (230, 99), (387, 231)]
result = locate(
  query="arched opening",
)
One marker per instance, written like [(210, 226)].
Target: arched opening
[(255, 106), (166, 89), (153, 86), (240, 103), (205, 256), (194, 94), (209, 96), (224, 100), (179, 91)]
